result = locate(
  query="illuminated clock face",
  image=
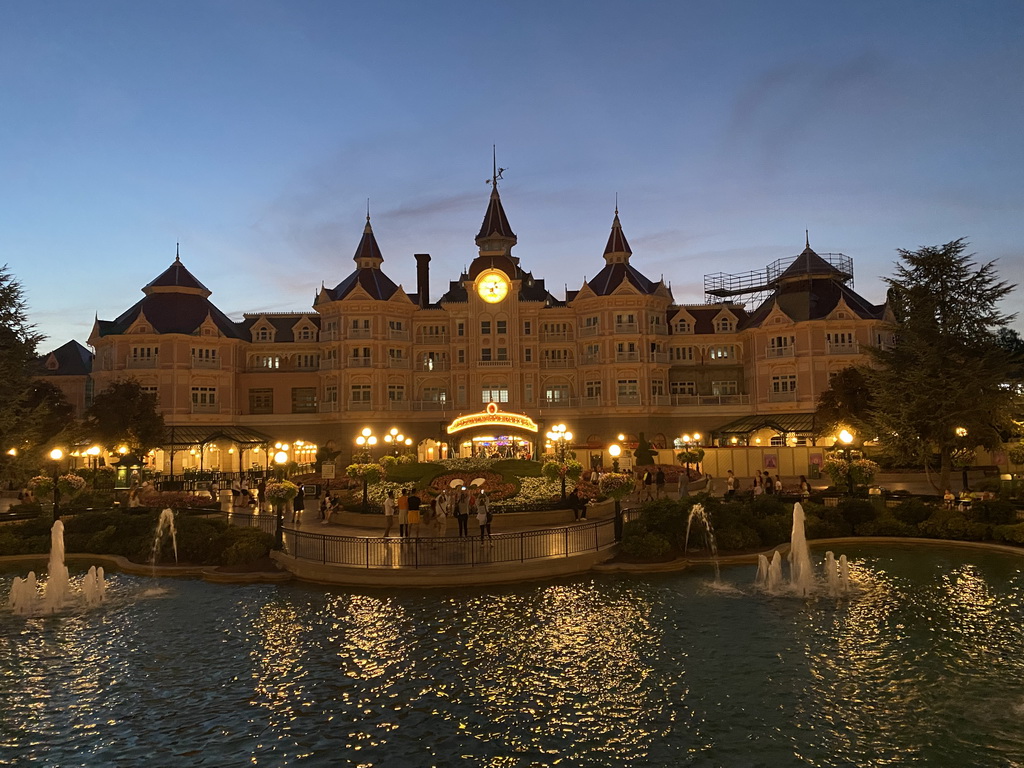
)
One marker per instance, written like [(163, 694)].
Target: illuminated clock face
[(492, 286)]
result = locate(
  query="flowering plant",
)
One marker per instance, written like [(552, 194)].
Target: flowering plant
[(467, 465), (41, 485), (1016, 453), (369, 473), (616, 485), (281, 490), (553, 470), (69, 484)]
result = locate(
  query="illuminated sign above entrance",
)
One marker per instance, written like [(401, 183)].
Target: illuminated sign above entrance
[(492, 417)]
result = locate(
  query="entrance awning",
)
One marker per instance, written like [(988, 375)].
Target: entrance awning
[(194, 434), (797, 423)]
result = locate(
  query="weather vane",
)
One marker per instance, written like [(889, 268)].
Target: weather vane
[(496, 176)]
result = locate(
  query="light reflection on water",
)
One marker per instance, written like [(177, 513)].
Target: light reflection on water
[(923, 664)]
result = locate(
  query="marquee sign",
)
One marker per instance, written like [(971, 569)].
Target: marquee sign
[(492, 417)]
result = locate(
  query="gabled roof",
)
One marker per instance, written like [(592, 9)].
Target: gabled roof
[(814, 300), (283, 323), (373, 281), (704, 316), (612, 275), (71, 359)]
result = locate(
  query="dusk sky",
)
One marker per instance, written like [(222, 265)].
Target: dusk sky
[(254, 132)]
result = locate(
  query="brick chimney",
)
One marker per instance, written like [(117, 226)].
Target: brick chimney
[(423, 278)]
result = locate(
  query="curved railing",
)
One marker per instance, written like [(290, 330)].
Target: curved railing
[(439, 551)]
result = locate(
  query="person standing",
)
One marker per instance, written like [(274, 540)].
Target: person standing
[(659, 483), (261, 494), (684, 483), (414, 513), (298, 505), (440, 505), (483, 515), (758, 488), (805, 488), (648, 485), (731, 484), (769, 484), (403, 513), (389, 512), (462, 512)]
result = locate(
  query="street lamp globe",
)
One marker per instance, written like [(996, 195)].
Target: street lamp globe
[(280, 458), (845, 436), (367, 432), (615, 450), (56, 454)]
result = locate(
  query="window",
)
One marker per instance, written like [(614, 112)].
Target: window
[(460, 356), (462, 394), (204, 396), (307, 361), (303, 399), (683, 325), (592, 388), (722, 353), (528, 354), (494, 393), (360, 393), (263, 334), (657, 387), (501, 326), (306, 334), (557, 394), (331, 395), (592, 353), (151, 390), (527, 328), (724, 325), (681, 354), (781, 346), (360, 357), (485, 327), (145, 354), (396, 393), (396, 325), (261, 401), (431, 361), (556, 357), (591, 323), (724, 388), (360, 324), (435, 394), (784, 383), (485, 354), (528, 391), (271, 362), (460, 328), (503, 353), (682, 387), (625, 319), (204, 355)]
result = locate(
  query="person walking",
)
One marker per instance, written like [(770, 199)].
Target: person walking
[(403, 513), (648, 485), (440, 505), (389, 512), (769, 484), (483, 515)]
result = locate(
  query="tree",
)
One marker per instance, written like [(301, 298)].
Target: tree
[(945, 371), (125, 414), (846, 403)]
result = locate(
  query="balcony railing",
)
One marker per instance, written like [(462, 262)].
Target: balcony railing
[(433, 365), (627, 328), (547, 363), (695, 400), (658, 357), (782, 397), (627, 357), (591, 402), (659, 330), (359, 333), (430, 405), (398, 362), (590, 360), (329, 335), (399, 405), (433, 338), (839, 348), (628, 399), (558, 402), (590, 330), (141, 362), (786, 351), (328, 364), (398, 334), (329, 407), (661, 399), (209, 364), (205, 407), (359, 405), (494, 363), (551, 336), (360, 362)]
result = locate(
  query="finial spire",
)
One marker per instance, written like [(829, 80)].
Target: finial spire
[(367, 210), (807, 238), (495, 170), (616, 203), (177, 251)]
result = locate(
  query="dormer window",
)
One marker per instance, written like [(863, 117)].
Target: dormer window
[(724, 325), (305, 334), (683, 325), (263, 334)]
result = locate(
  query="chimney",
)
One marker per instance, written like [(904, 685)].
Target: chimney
[(423, 278)]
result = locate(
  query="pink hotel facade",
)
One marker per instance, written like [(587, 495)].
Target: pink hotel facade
[(617, 356)]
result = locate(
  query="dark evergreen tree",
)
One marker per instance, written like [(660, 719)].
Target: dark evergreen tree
[(945, 370), (124, 414), (846, 403)]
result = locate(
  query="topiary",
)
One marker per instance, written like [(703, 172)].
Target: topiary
[(913, 511), (994, 512), (646, 546), (857, 511)]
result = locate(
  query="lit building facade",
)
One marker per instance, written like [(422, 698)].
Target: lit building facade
[(618, 356)]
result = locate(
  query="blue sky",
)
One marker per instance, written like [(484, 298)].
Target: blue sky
[(254, 132)]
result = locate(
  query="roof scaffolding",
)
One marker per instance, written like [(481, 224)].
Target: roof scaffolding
[(758, 285)]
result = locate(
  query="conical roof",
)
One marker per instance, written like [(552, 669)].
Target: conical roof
[(617, 248), (495, 223)]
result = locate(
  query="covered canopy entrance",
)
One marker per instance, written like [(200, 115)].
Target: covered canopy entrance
[(493, 433)]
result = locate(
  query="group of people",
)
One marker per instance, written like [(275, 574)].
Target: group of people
[(764, 484), (431, 517)]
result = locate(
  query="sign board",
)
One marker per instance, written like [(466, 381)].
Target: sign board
[(327, 470), (492, 417)]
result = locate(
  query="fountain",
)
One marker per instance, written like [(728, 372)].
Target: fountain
[(24, 599), (697, 512), (164, 525), (802, 579)]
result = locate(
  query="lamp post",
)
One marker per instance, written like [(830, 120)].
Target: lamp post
[(560, 438), (615, 450), (961, 432), (280, 459), (365, 442), (846, 437), (56, 455)]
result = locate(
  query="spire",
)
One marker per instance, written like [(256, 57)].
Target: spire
[(807, 239), (368, 255), (495, 234), (617, 249), (177, 252)]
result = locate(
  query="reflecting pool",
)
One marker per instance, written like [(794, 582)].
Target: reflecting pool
[(923, 663)]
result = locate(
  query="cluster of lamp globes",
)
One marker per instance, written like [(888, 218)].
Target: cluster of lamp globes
[(367, 439), (300, 447)]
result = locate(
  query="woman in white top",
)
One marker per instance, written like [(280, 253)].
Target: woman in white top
[(483, 514)]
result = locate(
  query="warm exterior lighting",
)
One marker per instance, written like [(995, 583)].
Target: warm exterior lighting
[(56, 454), (696, 437), (845, 436), (961, 431), (615, 450), (367, 432), (280, 457)]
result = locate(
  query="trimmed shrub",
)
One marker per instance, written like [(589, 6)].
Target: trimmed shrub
[(1011, 534), (952, 524), (995, 512), (857, 511), (913, 511), (737, 537), (250, 545), (646, 546), (773, 530), (886, 524), (768, 506)]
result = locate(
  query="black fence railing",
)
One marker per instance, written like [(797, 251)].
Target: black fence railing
[(434, 551)]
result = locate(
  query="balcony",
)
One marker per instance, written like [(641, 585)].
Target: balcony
[(658, 357), (589, 331), (359, 333), (329, 407), (591, 402), (329, 364), (494, 363), (590, 360), (399, 405), (558, 402), (329, 335), (359, 405), (659, 330), (554, 336), (398, 334), (627, 357), (837, 348), (627, 328), (627, 399), (786, 351), (208, 364), (782, 397), (725, 399), (545, 363), (661, 399), (205, 408), (685, 399), (360, 362), (141, 362), (398, 362), (433, 365), (433, 338), (429, 405)]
